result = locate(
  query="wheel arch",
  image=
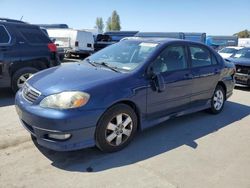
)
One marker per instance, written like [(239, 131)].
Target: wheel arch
[(133, 106), (39, 64), (223, 85)]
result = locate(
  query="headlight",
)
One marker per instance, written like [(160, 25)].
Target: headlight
[(65, 100)]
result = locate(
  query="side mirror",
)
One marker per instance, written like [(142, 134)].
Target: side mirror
[(157, 80)]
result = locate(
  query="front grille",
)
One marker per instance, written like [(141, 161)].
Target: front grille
[(242, 69), (30, 94)]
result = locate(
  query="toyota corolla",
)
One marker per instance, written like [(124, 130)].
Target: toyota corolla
[(127, 87)]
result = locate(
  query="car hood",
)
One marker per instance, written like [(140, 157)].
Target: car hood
[(240, 61), (225, 55), (71, 77)]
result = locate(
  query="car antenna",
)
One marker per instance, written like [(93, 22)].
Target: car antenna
[(21, 18)]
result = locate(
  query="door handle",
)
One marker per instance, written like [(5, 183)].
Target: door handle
[(188, 76)]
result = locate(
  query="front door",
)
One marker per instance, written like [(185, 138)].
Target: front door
[(173, 66)]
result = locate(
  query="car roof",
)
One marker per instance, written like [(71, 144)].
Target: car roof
[(160, 40), (2, 22), (235, 47)]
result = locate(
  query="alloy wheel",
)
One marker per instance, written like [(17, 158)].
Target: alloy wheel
[(119, 129), (218, 99), (22, 79)]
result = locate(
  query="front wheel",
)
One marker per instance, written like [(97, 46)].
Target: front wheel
[(218, 100), (116, 128)]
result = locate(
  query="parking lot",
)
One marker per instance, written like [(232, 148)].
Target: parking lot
[(198, 150)]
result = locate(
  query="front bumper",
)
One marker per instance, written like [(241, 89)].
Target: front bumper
[(243, 79), (41, 122)]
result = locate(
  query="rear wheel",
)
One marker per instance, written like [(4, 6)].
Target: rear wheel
[(21, 76), (116, 128), (218, 100)]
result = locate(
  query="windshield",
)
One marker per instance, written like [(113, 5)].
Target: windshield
[(228, 50), (243, 53), (125, 55)]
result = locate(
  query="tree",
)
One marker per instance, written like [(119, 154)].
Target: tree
[(108, 24), (113, 22), (243, 34), (99, 24)]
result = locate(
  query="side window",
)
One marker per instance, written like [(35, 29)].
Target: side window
[(4, 37), (200, 57), (34, 35), (171, 59)]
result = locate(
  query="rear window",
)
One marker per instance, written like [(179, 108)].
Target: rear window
[(200, 57), (34, 35), (4, 37)]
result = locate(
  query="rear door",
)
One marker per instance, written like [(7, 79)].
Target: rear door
[(172, 65), (32, 43), (205, 71), (5, 55)]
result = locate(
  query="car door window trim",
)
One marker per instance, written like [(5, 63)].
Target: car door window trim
[(7, 34), (212, 56)]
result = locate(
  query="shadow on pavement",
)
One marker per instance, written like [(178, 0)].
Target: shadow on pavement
[(243, 88), (7, 97), (152, 142)]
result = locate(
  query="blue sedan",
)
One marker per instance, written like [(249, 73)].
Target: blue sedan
[(127, 87)]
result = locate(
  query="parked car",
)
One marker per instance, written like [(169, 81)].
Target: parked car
[(111, 37), (54, 26), (196, 37), (60, 51), (24, 50), (229, 51), (219, 42), (129, 86), (241, 59), (74, 42), (176, 35)]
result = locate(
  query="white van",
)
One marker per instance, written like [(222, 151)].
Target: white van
[(245, 42), (74, 42)]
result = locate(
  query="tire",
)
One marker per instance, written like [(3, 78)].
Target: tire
[(67, 55), (61, 57), (20, 76), (218, 100), (116, 128)]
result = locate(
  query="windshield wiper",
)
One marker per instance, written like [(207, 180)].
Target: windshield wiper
[(108, 66), (91, 62)]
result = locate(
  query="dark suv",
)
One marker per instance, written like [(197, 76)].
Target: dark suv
[(24, 50)]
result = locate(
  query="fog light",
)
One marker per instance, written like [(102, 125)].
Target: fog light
[(59, 136)]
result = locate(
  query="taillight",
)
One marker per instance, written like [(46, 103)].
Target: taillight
[(52, 47), (76, 43)]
